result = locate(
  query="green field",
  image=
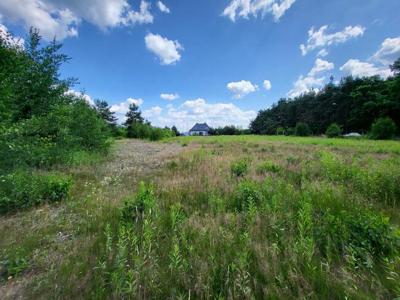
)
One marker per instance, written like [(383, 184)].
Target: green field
[(239, 217)]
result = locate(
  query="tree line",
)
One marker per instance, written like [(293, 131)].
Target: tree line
[(353, 105)]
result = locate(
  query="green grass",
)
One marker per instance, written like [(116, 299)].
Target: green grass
[(239, 217), (362, 145)]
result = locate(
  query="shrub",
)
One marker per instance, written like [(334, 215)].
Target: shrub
[(248, 194), (13, 263), (142, 203), (21, 190), (383, 129), (302, 129), (333, 130), (239, 168), (267, 166), (280, 131)]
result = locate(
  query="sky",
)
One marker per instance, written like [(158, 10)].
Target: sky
[(214, 61)]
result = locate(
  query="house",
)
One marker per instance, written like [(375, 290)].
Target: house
[(200, 129)]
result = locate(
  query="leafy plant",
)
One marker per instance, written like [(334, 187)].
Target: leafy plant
[(383, 129), (239, 168), (333, 130)]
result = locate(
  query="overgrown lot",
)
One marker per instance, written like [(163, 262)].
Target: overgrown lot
[(221, 217)]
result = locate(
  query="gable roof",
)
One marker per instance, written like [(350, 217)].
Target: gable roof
[(200, 127)]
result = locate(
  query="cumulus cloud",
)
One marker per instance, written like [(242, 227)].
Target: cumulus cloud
[(163, 8), (357, 68), (82, 95), (169, 97), (313, 80), (190, 112), (61, 18), (122, 108), (166, 50), (322, 39), (12, 41), (245, 8), (388, 52), (267, 85), (241, 88), (152, 112)]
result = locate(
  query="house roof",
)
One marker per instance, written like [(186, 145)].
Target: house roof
[(200, 127)]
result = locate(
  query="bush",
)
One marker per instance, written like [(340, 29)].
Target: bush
[(142, 203), (248, 194), (333, 131), (302, 129), (383, 129), (239, 168), (21, 190), (267, 166), (280, 131)]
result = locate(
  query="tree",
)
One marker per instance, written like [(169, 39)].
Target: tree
[(175, 130), (302, 129), (383, 129), (333, 130), (133, 115), (396, 67), (104, 110)]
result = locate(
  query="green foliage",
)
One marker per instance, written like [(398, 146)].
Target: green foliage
[(280, 131), (247, 195), (12, 263), (333, 131), (41, 123), (353, 104), (239, 168), (383, 129), (21, 190), (146, 131), (268, 166), (143, 203), (302, 129)]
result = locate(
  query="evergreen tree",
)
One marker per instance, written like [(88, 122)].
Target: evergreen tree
[(175, 130), (133, 115), (104, 110)]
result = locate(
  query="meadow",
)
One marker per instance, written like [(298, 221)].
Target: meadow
[(229, 217)]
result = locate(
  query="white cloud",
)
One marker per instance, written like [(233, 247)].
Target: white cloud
[(241, 88), (166, 50), (321, 39), (322, 53), (163, 8), (169, 97), (267, 85), (61, 18), (357, 68), (199, 110), (122, 108), (245, 8), (12, 41), (152, 112), (313, 80), (388, 52), (82, 95)]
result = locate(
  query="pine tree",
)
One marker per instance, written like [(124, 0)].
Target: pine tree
[(104, 110)]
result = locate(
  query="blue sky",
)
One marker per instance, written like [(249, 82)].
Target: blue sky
[(215, 61)]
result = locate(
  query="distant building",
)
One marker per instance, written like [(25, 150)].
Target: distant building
[(200, 129)]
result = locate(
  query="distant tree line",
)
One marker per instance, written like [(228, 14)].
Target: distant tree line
[(228, 130), (353, 105)]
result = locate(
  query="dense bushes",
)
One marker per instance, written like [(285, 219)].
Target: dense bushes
[(333, 131), (302, 129), (146, 131), (43, 123), (383, 129), (21, 190)]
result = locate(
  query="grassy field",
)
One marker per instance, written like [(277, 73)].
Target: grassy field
[(238, 217)]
